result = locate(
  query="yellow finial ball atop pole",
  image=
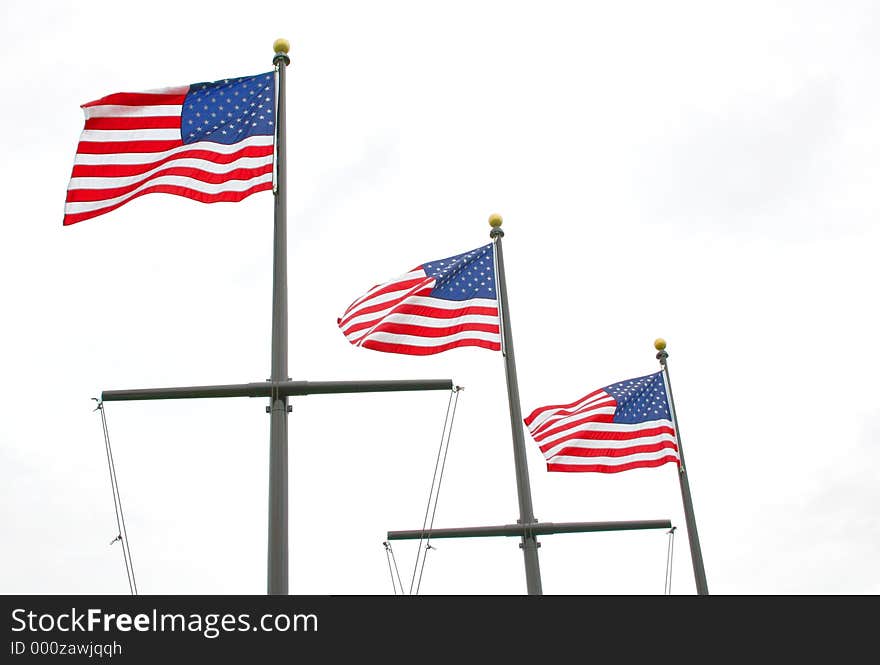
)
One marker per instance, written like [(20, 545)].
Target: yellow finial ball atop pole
[(659, 343), (495, 220), (281, 46)]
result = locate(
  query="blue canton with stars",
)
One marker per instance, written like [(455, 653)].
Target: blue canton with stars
[(640, 399), (230, 110), (465, 276)]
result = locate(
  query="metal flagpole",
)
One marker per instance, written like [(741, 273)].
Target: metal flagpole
[(690, 521), (278, 520), (529, 542), (279, 387)]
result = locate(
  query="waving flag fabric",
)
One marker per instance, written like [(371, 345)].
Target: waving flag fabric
[(206, 141), (437, 306), (623, 426)]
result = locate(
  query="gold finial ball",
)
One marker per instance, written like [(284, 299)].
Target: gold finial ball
[(495, 220), (659, 343), (281, 46)]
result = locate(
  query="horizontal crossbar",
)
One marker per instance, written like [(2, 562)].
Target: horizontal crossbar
[(275, 388), (536, 529)]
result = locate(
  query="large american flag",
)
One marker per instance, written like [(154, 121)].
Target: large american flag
[(437, 306), (206, 141), (623, 426)]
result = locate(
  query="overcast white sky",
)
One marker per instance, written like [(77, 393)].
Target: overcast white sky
[(703, 172)]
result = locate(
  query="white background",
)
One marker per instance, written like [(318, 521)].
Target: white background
[(702, 172)]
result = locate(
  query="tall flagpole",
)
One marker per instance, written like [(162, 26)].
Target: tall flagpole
[(529, 542), (279, 387), (278, 519), (690, 521)]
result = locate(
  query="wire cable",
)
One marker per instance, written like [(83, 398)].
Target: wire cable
[(447, 427), (667, 589), (122, 534), (389, 555), (437, 496)]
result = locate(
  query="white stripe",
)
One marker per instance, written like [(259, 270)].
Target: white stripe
[(407, 319), (150, 157), (414, 274), (386, 314), (393, 298), (612, 461), (188, 183), (432, 322), (201, 164), (581, 408), (425, 301), (608, 427), (562, 421), (120, 111), (399, 297), (107, 135), (412, 340), (367, 322), (582, 404), (442, 303), (613, 444)]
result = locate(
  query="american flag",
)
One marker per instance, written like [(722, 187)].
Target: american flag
[(437, 306), (623, 426), (206, 141)]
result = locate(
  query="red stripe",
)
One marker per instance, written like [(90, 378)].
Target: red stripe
[(575, 451), (591, 435), (416, 310), (439, 313), (392, 287), (553, 426), (121, 147), (540, 435), (601, 468), (79, 195), (429, 350), (138, 99), (407, 289), (537, 412), (124, 170), (368, 323), (172, 189), (133, 122), (425, 331)]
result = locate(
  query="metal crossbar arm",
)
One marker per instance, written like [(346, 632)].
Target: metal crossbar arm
[(275, 388), (536, 529)]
